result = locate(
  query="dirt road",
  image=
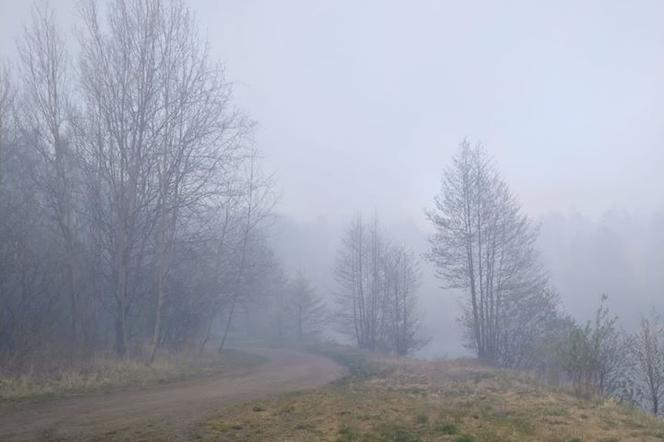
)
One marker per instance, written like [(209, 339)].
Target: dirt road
[(166, 412)]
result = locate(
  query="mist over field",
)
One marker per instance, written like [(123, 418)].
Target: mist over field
[(301, 191)]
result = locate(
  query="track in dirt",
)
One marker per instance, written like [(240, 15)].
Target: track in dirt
[(172, 409)]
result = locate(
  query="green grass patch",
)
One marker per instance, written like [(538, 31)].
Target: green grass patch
[(448, 429)]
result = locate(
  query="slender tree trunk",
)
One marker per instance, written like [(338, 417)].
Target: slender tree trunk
[(299, 323), (121, 333), (206, 337), (160, 303), (227, 327), (161, 286)]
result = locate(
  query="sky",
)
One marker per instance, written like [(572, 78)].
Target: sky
[(360, 105)]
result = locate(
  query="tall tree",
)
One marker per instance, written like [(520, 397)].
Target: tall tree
[(377, 304), (162, 141), (484, 245), (257, 204), (358, 273), (120, 67), (200, 134), (46, 124), (6, 102), (401, 284)]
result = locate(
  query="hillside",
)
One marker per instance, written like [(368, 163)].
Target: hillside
[(386, 399)]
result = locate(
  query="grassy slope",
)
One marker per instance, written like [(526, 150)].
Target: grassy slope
[(105, 375), (392, 400)]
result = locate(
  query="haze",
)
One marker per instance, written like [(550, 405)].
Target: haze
[(360, 106)]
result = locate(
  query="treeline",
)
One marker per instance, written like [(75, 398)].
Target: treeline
[(290, 312), (133, 211), (132, 203), (484, 246)]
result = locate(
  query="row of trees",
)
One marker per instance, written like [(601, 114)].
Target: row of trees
[(289, 313), (133, 208), (377, 300), (131, 198)]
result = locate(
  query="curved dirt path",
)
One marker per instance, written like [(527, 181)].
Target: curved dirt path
[(167, 412)]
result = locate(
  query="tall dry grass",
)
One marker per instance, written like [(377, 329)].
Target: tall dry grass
[(104, 372)]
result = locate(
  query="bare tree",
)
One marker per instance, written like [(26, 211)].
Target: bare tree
[(46, 122), (201, 135), (307, 310), (119, 79), (132, 207), (401, 284), (377, 304), (357, 272), (30, 282), (484, 245), (259, 201), (6, 103), (530, 323), (648, 353), (594, 356), (162, 140)]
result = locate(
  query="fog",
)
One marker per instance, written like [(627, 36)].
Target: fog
[(361, 105)]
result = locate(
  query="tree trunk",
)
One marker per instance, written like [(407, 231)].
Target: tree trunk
[(228, 327)]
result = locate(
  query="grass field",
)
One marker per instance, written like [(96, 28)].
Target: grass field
[(386, 399)]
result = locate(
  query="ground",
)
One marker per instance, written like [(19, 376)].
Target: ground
[(335, 394), (408, 401), (168, 411), (102, 374)]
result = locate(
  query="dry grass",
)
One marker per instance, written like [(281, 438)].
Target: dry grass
[(108, 373), (409, 401)]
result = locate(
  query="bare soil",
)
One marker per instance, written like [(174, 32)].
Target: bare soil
[(165, 412)]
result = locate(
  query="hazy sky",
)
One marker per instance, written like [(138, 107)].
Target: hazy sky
[(361, 104)]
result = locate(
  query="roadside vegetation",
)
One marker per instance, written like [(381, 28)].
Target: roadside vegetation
[(388, 399), (105, 374)]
